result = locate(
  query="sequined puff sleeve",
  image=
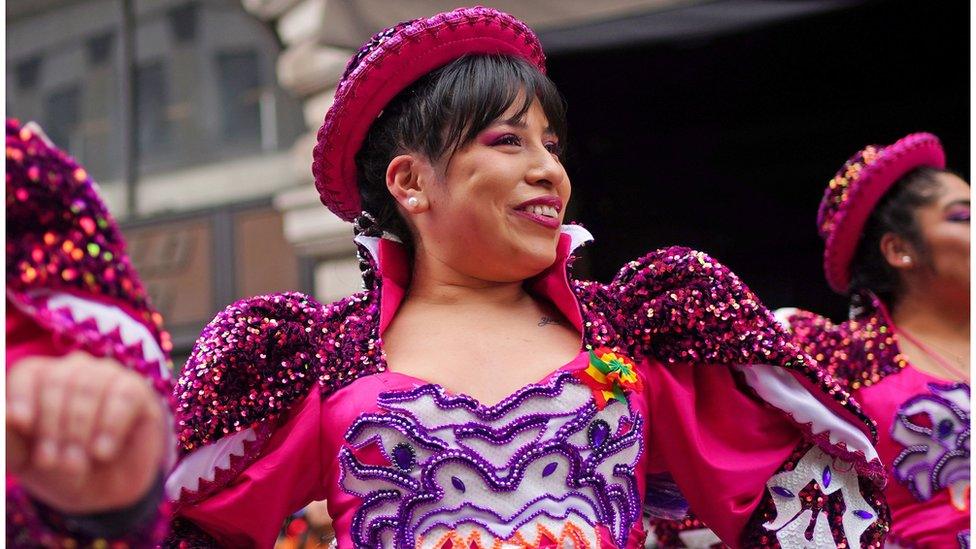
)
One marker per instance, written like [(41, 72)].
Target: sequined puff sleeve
[(70, 286), (760, 442), (248, 414), (856, 353)]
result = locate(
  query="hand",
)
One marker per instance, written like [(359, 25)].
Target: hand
[(84, 434)]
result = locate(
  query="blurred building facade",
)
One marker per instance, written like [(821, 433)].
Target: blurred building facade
[(212, 146)]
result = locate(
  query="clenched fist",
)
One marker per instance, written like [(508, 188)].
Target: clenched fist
[(84, 434)]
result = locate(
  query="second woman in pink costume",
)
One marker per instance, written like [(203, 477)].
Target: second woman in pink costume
[(896, 226)]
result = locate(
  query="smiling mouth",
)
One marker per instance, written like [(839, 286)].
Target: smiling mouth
[(546, 216), (541, 210)]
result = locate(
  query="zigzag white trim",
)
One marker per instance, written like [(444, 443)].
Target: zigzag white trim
[(108, 318), (204, 462)]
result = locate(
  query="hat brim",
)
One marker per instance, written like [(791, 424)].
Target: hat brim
[(399, 60), (911, 152)]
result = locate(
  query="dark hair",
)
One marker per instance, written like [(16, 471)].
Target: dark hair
[(894, 213), (441, 112)]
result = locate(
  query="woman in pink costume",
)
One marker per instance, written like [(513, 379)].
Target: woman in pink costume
[(475, 394), (87, 436), (896, 227)]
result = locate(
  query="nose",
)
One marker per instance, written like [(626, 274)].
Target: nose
[(545, 169)]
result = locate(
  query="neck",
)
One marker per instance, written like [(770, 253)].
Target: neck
[(433, 282), (926, 315)]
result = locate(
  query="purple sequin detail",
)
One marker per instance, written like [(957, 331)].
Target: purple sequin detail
[(403, 456), (599, 431), (826, 477), (458, 484), (780, 491), (550, 469), (863, 514)]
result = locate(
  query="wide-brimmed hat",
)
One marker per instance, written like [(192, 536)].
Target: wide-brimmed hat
[(387, 64), (856, 189)]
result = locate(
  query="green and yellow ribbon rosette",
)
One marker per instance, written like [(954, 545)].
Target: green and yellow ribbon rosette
[(610, 376)]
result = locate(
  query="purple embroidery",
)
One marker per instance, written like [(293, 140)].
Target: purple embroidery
[(403, 456), (934, 429), (598, 433), (543, 455)]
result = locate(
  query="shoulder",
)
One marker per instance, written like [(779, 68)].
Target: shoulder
[(254, 360), (857, 352), (681, 305)]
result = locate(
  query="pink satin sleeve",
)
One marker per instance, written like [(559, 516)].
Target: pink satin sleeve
[(288, 475), (719, 444)]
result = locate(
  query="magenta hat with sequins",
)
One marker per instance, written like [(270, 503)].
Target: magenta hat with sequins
[(388, 63), (853, 193)]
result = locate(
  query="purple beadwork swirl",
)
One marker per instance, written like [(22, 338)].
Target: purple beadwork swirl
[(545, 455), (935, 430)]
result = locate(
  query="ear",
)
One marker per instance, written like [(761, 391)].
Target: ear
[(898, 252), (407, 178)]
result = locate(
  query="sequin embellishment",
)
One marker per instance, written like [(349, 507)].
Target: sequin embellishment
[(545, 463), (794, 518)]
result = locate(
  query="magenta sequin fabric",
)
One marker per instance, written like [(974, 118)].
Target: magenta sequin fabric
[(66, 255), (679, 305), (857, 353), (813, 499), (60, 235)]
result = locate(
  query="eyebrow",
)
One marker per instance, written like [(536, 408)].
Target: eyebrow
[(960, 202), (520, 124)]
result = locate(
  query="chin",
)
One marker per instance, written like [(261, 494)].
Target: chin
[(539, 258)]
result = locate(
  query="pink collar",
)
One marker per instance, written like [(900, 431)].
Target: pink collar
[(393, 270)]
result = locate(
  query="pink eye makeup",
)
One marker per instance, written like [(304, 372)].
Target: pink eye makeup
[(506, 139), (959, 216)]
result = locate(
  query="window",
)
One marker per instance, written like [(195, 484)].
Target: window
[(240, 95), (183, 22), (28, 72), (62, 114), (151, 100), (100, 49)]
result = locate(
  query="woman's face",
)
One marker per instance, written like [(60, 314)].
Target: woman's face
[(944, 227), (498, 202)]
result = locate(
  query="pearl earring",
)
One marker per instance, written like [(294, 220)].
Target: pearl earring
[(906, 259), (413, 202)]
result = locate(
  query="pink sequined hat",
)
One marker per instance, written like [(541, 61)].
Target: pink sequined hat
[(388, 63), (857, 188)]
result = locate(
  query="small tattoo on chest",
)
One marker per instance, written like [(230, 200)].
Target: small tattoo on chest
[(547, 320)]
